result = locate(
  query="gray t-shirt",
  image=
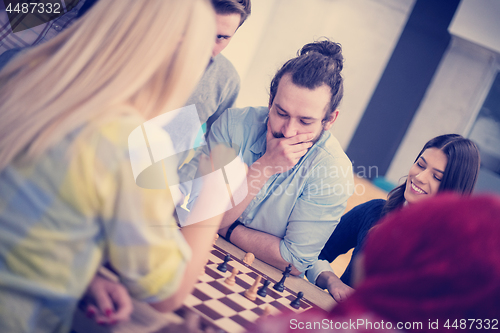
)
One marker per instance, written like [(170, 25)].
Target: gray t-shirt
[(216, 92)]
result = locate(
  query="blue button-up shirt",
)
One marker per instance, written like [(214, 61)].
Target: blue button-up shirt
[(303, 205)]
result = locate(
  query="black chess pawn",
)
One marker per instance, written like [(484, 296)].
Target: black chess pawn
[(262, 292), (223, 265), (296, 302), (280, 286)]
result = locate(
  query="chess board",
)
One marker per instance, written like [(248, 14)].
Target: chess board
[(224, 307)]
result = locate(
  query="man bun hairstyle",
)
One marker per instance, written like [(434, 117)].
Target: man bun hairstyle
[(242, 7), (316, 64)]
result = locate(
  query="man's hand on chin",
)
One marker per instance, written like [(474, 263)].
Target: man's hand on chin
[(282, 154)]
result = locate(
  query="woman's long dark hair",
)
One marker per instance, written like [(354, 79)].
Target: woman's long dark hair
[(460, 174)]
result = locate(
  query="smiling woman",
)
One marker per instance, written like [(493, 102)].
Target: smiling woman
[(445, 163), (425, 175), (450, 160)]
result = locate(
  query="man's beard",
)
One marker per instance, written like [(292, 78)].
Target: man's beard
[(279, 135)]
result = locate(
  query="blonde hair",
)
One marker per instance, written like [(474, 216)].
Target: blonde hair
[(147, 55)]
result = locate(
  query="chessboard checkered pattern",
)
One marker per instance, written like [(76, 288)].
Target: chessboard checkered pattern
[(224, 307)]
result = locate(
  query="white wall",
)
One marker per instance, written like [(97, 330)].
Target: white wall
[(478, 21), (451, 103), (367, 29), (461, 82)]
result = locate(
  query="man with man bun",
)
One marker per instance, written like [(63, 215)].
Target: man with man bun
[(299, 178)]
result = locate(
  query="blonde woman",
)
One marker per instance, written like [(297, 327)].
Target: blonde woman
[(68, 199)]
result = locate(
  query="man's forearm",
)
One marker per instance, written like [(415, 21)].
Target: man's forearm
[(264, 246)]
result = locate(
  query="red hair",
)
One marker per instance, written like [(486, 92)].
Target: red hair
[(435, 260)]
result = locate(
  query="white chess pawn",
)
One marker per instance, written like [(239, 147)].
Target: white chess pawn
[(202, 272), (249, 258), (231, 280), (251, 293)]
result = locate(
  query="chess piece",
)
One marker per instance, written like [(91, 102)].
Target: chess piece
[(280, 286), (249, 258), (296, 302), (223, 266), (266, 313), (216, 238), (203, 268), (262, 292), (251, 293), (231, 280)]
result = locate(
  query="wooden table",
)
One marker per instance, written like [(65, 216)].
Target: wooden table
[(145, 319)]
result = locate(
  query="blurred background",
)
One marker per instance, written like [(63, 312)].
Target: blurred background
[(414, 69)]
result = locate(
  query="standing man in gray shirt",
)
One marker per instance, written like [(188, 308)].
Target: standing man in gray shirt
[(220, 84)]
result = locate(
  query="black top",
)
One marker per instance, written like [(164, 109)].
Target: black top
[(351, 233)]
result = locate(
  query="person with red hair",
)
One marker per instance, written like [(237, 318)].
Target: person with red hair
[(432, 267)]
